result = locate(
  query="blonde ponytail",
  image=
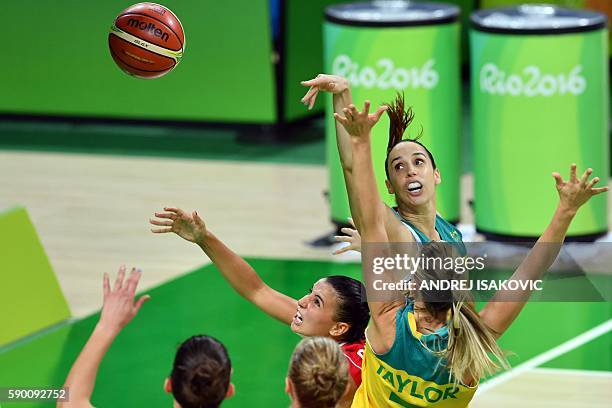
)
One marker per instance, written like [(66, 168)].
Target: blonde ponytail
[(472, 352)]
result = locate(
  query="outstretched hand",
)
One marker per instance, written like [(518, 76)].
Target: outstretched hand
[(119, 307), (323, 82), (359, 123), (351, 236), (187, 226), (574, 192)]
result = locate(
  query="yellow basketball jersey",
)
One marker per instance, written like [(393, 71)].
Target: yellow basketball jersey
[(409, 374)]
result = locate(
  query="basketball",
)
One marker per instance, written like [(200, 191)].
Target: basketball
[(146, 40)]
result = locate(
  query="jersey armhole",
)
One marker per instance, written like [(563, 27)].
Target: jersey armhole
[(395, 340)]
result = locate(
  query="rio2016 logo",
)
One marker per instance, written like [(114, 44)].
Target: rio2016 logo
[(386, 75), (531, 83)]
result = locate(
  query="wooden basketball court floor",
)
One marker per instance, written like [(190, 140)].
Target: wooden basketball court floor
[(91, 212)]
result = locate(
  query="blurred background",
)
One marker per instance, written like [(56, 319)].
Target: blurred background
[(505, 92)]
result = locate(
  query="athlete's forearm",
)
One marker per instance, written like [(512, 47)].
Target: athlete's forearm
[(82, 377), (546, 249), (367, 204), (557, 229), (340, 101), (245, 280), (506, 305), (345, 150), (240, 275)]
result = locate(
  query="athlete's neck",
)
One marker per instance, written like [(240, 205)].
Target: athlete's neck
[(425, 322), (423, 217)]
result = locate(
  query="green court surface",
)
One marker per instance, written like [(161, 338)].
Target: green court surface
[(134, 369)]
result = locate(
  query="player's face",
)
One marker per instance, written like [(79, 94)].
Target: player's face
[(412, 177), (315, 311)]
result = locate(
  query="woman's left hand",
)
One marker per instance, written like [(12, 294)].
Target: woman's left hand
[(574, 192), (352, 237)]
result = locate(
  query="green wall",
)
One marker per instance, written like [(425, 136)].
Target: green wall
[(60, 63), (303, 52)]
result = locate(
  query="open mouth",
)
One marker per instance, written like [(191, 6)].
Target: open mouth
[(415, 187), (298, 319)]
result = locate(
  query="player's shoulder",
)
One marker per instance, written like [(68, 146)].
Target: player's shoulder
[(391, 214), (354, 352), (353, 346), (451, 232), (396, 226)]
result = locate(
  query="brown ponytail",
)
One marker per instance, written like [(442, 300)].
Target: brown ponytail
[(399, 120)]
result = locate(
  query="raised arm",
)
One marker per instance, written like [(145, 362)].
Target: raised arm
[(118, 310), (342, 98), (343, 102), (371, 210), (499, 314), (367, 204), (240, 275)]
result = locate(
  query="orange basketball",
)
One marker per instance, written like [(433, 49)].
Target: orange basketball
[(146, 40)]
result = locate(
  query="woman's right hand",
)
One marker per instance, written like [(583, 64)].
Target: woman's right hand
[(119, 307), (323, 82), (359, 124), (189, 227)]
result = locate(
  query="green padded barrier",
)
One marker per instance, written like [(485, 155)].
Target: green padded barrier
[(303, 52), (59, 63), (599, 5), (562, 102), (423, 62), (30, 296)]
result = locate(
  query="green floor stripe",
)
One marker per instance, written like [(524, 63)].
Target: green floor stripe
[(595, 355), (542, 326)]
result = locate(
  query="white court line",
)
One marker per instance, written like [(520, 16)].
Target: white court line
[(571, 371), (545, 357)]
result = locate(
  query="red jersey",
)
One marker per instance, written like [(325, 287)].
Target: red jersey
[(354, 356)]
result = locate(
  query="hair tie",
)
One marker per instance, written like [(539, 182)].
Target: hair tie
[(457, 310)]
